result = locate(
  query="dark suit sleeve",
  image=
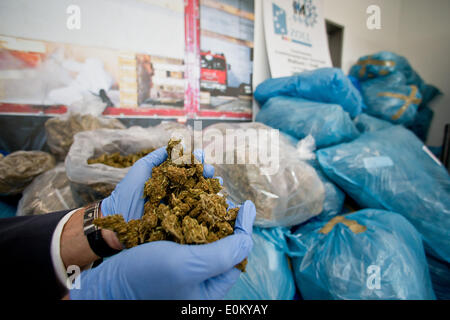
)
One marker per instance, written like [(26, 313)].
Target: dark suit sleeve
[(26, 265)]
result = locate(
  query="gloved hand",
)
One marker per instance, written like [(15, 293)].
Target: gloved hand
[(127, 198), (167, 270)]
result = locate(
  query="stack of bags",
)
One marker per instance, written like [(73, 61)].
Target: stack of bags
[(319, 103), (291, 194), (391, 169), (397, 228), (46, 185), (394, 91), (39, 177), (298, 191)]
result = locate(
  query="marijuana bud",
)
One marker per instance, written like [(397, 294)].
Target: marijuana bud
[(182, 206)]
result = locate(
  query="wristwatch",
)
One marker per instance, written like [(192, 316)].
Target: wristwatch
[(94, 233)]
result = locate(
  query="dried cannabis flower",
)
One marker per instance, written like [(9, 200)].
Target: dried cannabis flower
[(117, 160), (182, 206)]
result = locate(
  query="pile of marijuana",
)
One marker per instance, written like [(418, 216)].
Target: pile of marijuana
[(18, 169), (182, 206), (117, 160)]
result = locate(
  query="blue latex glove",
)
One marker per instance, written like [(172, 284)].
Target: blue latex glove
[(127, 198), (167, 270)]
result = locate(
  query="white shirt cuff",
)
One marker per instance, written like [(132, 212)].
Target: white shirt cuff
[(55, 250)]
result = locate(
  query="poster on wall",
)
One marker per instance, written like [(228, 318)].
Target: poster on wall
[(47, 77), (296, 38), (136, 73), (226, 58)]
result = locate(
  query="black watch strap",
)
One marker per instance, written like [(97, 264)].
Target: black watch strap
[(94, 234)]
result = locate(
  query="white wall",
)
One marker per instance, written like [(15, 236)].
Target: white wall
[(358, 40), (424, 38), (417, 29)]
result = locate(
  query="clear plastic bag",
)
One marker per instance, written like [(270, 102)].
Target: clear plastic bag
[(391, 169), (268, 273), (334, 197), (91, 182), (292, 195), (366, 255), (329, 124), (61, 130), (18, 169), (49, 192)]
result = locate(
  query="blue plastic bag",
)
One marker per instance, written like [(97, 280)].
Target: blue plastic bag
[(329, 124), (369, 254), (329, 85), (429, 93), (268, 274), (7, 208), (392, 80), (376, 65), (391, 99), (422, 123), (366, 123), (334, 197), (440, 277), (391, 169), (357, 84), (385, 63)]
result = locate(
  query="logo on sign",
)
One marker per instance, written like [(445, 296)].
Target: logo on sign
[(279, 20), (305, 12)]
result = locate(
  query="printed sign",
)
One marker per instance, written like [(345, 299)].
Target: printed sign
[(296, 37)]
